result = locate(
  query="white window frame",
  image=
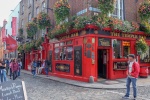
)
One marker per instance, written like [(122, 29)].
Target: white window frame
[(22, 23), (29, 17), (43, 5), (37, 10), (119, 9), (29, 3)]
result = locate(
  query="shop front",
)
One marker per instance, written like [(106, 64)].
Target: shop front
[(96, 53)]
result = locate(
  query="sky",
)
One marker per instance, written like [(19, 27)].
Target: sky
[(5, 8)]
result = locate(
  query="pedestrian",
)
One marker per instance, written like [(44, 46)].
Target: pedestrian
[(41, 68), (15, 68), (20, 66), (38, 65), (133, 73), (10, 67), (33, 67), (47, 63), (7, 65), (3, 71)]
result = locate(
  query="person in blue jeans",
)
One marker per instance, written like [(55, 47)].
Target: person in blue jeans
[(3, 71), (33, 67), (20, 65), (133, 73)]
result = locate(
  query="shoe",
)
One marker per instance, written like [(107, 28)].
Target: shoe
[(134, 98), (125, 97)]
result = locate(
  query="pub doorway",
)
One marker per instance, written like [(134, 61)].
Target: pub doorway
[(102, 63)]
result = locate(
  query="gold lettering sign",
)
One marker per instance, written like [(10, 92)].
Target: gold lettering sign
[(126, 35), (69, 36)]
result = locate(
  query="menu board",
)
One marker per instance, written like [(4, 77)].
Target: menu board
[(13, 90)]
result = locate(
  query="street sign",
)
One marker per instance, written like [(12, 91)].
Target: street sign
[(13, 90)]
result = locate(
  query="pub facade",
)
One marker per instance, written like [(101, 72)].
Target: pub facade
[(91, 52)]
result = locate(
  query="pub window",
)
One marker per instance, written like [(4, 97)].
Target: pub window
[(117, 48), (145, 57), (57, 51), (69, 53)]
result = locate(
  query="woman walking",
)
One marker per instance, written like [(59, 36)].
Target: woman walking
[(20, 66), (15, 68), (41, 68), (3, 71)]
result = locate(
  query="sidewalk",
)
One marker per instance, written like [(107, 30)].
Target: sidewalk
[(101, 84)]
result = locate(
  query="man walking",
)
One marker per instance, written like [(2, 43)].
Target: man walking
[(133, 73)]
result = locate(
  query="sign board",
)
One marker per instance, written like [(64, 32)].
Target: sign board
[(120, 65), (104, 42), (13, 90)]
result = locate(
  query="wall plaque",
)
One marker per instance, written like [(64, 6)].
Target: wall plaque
[(104, 42), (78, 60)]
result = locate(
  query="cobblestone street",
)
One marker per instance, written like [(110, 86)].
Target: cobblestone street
[(44, 89)]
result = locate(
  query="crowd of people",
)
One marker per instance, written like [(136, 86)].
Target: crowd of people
[(10, 67), (38, 65)]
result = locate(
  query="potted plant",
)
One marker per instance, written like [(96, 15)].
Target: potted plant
[(144, 10), (43, 20), (106, 6), (31, 29), (61, 10), (141, 45)]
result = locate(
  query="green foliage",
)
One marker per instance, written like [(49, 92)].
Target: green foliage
[(43, 20), (141, 45), (61, 10), (106, 6), (31, 29), (20, 48)]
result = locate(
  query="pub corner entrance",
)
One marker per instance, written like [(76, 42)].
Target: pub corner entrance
[(102, 63)]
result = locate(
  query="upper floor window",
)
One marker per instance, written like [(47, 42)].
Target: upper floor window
[(29, 17), (22, 9), (29, 3), (43, 6), (119, 10), (37, 10)]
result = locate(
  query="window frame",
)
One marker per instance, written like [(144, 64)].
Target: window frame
[(43, 6), (29, 17), (37, 10), (119, 10)]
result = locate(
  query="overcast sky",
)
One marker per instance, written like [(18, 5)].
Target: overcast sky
[(5, 8)]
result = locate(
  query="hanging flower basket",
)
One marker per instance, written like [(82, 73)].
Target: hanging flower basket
[(106, 6), (61, 10), (43, 20), (31, 29), (20, 31), (144, 10), (141, 45)]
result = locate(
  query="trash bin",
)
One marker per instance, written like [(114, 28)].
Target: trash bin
[(143, 72)]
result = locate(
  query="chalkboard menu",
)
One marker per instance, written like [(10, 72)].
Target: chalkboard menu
[(13, 90), (104, 42), (120, 65)]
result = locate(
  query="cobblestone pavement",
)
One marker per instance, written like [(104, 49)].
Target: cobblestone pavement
[(44, 89)]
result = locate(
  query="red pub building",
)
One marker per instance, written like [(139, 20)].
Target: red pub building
[(91, 52), (80, 54)]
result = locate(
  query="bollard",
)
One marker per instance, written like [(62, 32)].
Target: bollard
[(91, 79)]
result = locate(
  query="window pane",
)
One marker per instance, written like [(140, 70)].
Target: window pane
[(57, 53), (69, 53), (63, 53), (117, 49), (126, 48)]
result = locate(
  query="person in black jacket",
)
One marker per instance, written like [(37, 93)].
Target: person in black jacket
[(47, 63)]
